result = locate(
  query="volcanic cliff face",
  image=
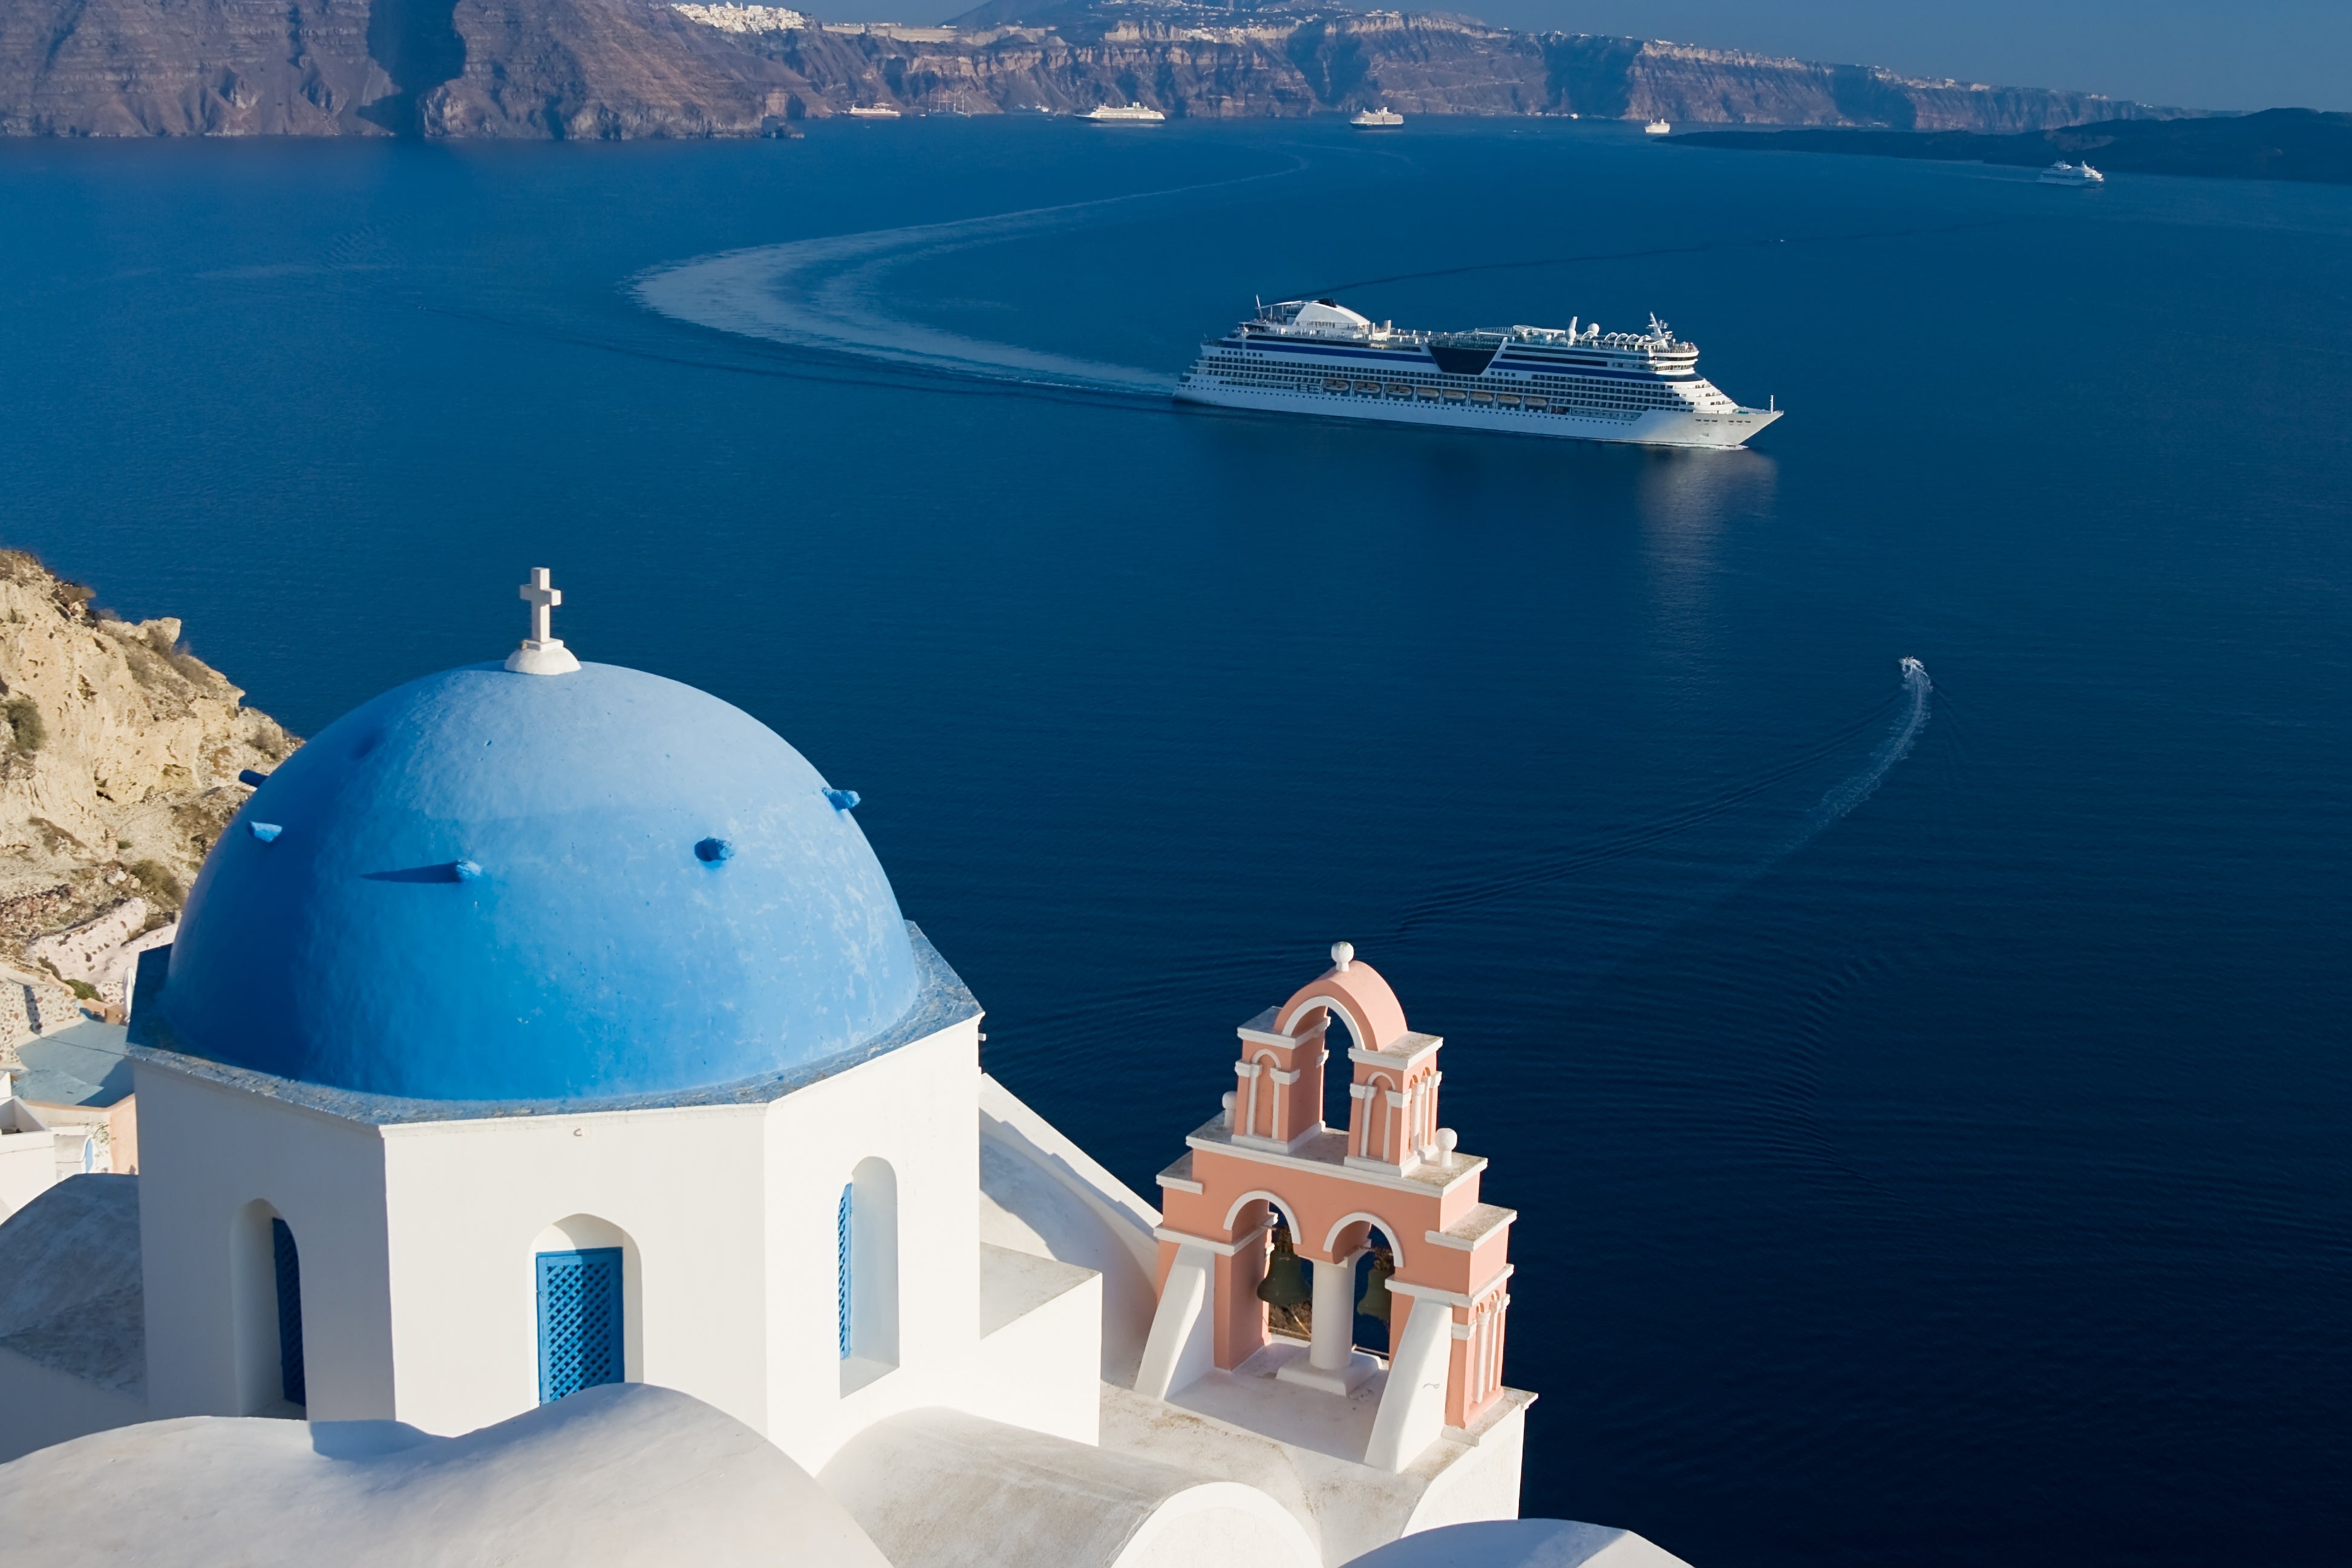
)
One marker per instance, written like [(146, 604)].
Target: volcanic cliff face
[(641, 68), (118, 761)]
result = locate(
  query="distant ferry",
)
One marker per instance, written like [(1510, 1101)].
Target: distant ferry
[(1316, 356), (2064, 173), (1130, 114), (1380, 118), (872, 111), (1658, 127)]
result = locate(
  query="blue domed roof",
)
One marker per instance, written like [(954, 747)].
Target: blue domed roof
[(491, 886)]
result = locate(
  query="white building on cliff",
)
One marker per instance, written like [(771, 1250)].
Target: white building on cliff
[(544, 1029)]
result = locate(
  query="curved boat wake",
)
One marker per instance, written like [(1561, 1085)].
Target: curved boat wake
[(1841, 800), (832, 295), (1707, 870)]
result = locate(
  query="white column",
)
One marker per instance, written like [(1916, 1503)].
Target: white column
[(1335, 1315), (1413, 1407)]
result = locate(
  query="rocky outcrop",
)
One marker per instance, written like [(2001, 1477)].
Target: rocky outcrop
[(604, 70), (561, 69), (197, 68), (120, 753)]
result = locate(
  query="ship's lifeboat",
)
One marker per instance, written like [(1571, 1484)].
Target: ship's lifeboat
[(1482, 397), (1432, 393), (1399, 389), (1454, 395), (1373, 387), (1334, 383), (1507, 399), (1540, 405)]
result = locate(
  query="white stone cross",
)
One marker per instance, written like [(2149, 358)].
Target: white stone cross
[(541, 653), (542, 597)]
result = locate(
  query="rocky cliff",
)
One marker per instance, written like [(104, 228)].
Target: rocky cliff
[(120, 753), (642, 68)]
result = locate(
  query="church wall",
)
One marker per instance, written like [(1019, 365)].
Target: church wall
[(1037, 1371), (209, 1153), (917, 1108), (470, 1202)]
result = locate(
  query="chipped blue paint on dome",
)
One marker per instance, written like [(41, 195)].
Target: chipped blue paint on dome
[(486, 886)]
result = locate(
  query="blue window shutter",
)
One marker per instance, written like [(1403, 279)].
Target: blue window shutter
[(841, 1273), (579, 1343), (289, 1313)]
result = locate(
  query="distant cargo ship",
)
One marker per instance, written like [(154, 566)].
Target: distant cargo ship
[(1380, 118), (1128, 114), (1315, 356)]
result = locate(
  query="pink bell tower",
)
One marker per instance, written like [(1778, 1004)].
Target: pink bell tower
[(1394, 1173)]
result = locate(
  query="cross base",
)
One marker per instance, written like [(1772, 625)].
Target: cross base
[(543, 657)]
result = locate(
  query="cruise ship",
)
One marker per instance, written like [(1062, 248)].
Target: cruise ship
[(1316, 356)]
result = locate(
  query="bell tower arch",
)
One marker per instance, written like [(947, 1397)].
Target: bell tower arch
[(1393, 1172)]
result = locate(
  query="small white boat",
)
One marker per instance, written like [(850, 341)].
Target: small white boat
[(1658, 127), (1380, 118), (2064, 173), (872, 111), (1126, 114)]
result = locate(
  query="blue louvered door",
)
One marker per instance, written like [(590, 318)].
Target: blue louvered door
[(579, 1343)]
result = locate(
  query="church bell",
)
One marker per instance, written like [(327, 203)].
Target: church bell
[(1375, 1303), (1285, 1285)]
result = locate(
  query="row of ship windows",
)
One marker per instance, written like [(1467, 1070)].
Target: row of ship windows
[(1554, 384), (1337, 386)]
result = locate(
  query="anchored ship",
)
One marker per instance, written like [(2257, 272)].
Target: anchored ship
[(1129, 115), (1380, 118), (1316, 356)]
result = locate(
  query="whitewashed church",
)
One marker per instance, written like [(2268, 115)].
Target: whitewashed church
[(555, 1145)]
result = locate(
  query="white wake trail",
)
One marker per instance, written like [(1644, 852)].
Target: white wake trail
[(1840, 801), (833, 294)]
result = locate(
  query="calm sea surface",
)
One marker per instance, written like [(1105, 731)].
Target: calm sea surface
[(1929, 1108)]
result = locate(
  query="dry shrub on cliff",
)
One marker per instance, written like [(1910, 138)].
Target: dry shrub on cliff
[(25, 730), (155, 879), (195, 671)]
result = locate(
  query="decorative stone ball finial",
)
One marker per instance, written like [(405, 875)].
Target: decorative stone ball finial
[(1447, 1140), (1343, 953), (542, 652)]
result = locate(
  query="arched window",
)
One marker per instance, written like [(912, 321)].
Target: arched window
[(586, 1273), (287, 1264), (867, 1245), (266, 1286), (841, 1267)]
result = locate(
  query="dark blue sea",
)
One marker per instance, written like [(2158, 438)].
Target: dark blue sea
[(1929, 1102)]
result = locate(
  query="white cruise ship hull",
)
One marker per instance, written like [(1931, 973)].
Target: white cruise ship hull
[(1319, 358), (1655, 428)]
